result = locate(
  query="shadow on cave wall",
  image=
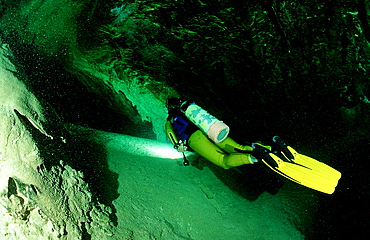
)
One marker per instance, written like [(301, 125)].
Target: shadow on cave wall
[(92, 161), (71, 100), (248, 181)]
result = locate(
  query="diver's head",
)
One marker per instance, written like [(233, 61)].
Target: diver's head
[(173, 105)]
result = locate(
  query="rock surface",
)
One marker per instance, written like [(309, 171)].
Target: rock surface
[(39, 198)]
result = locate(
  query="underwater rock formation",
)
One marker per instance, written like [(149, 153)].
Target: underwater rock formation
[(39, 199)]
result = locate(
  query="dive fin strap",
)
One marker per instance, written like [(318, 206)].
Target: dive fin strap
[(283, 147), (265, 154), (261, 153)]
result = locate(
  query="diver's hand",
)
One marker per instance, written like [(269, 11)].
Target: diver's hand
[(181, 147)]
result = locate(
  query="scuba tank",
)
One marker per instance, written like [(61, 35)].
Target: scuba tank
[(215, 129)]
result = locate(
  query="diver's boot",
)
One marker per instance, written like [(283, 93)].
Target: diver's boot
[(238, 159)]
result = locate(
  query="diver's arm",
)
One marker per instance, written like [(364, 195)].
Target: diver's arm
[(179, 145), (171, 133)]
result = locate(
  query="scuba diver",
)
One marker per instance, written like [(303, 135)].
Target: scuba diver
[(190, 127), (184, 134)]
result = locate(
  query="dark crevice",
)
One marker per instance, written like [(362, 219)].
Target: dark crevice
[(12, 187), (34, 188), (85, 234), (270, 7), (35, 132), (344, 43), (363, 9)]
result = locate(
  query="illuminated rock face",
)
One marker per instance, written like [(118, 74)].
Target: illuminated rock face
[(38, 199)]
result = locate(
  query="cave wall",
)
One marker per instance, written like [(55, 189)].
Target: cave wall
[(40, 197), (244, 62), (67, 34)]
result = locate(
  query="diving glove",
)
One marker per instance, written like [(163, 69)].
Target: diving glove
[(181, 146)]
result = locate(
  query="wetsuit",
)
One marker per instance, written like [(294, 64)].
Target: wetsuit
[(181, 131)]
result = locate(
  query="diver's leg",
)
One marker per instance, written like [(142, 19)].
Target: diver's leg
[(200, 143), (229, 146), (204, 147), (236, 160)]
